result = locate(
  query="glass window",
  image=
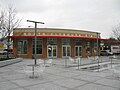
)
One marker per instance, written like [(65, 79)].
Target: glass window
[(22, 47), (52, 41), (78, 42), (38, 46), (95, 43), (88, 46), (65, 41)]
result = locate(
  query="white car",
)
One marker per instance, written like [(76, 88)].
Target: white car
[(105, 53), (2, 52)]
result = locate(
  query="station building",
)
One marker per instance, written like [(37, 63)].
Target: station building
[(55, 43)]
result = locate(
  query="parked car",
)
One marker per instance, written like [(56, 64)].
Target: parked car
[(110, 53), (115, 49), (105, 53), (5, 51), (2, 52), (10, 51)]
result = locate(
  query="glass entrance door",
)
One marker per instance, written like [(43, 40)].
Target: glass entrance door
[(78, 51), (52, 51), (66, 51)]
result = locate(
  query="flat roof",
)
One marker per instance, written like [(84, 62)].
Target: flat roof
[(57, 29)]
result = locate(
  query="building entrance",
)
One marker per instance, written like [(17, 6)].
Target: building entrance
[(78, 51), (52, 51)]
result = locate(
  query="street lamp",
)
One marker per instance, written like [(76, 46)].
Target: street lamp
[(97, 44), (35, 34), (97, 50)]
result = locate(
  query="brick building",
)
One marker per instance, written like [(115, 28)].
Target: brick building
[(55, 43)]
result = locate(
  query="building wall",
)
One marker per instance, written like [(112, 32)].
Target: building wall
[(15, 47), (44, 48), (29, 34), (59, 49), (83, 48), (72, 47)]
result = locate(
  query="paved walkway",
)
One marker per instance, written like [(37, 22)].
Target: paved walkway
[(56, 77)]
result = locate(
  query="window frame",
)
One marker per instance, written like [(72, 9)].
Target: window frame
[(88, 46), (39, 47), (20, 48)]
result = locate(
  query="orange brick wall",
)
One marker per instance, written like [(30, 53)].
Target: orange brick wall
[(59, 49), (59, 46)]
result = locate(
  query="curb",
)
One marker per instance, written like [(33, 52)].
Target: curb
[(9, 62)]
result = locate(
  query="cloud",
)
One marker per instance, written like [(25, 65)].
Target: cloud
[(94, 15)]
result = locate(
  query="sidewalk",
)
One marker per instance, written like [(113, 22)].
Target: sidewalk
[(56, 77)]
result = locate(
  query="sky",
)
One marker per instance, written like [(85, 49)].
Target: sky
[(90, 15)]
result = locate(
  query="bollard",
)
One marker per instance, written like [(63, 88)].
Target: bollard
[(78, 63), (65, 62)]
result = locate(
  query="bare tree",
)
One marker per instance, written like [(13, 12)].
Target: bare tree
[(116, 31), (8, 23), (2, 24)]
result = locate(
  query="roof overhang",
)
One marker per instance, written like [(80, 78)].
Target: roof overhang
[(90, 38)]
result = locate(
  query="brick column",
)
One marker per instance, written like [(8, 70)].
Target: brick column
[(72, 47), (44, 48), (29, 48), (92, 48), (59, 48), (83, 48), (15, 42)]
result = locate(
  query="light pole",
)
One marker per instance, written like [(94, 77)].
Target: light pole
[(97, 51), (35, 35)]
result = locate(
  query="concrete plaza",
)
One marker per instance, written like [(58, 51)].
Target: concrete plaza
[(56, 77)]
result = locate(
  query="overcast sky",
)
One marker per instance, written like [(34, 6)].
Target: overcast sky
[(90, 15)]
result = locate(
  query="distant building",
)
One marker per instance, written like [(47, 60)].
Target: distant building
[(55, 43), (113, 45)]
